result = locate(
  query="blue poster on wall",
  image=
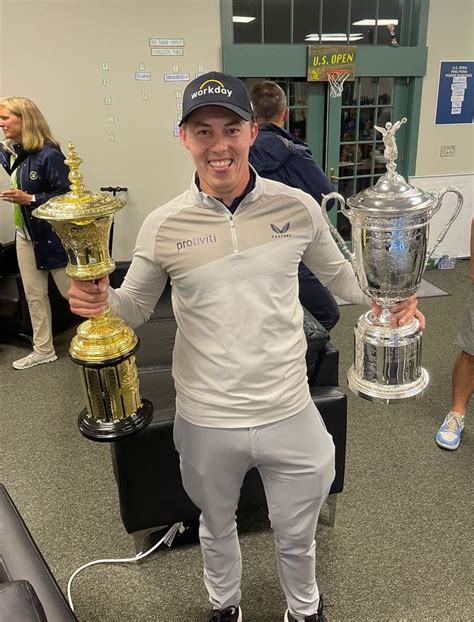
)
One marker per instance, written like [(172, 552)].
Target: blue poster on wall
[(455, 93)]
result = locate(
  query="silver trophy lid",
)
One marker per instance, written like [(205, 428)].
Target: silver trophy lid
[(392, 194)]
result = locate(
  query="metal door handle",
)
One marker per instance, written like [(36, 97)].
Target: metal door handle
[(332, 175)]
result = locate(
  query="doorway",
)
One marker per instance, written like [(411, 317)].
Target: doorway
[(341, 131), (354, 148)]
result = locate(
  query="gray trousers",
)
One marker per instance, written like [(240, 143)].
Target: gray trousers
[(295, 458)]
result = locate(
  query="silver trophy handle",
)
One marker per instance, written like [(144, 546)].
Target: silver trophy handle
[(337, 236), (441, 236)]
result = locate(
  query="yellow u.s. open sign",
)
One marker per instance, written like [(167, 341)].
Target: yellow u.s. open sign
[(322, 59)]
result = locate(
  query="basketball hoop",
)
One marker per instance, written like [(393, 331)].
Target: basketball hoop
[(336, 79)]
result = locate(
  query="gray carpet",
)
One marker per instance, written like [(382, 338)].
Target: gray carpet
[(401, 548), (426, 290)]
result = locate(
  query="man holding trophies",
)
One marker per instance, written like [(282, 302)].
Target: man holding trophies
[(231, 244)]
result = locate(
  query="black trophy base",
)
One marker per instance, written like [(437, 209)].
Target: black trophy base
[(108, 431)]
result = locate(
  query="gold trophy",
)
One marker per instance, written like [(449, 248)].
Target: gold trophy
[(104, 346)]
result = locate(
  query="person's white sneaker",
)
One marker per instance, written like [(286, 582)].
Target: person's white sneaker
[(35, 358)]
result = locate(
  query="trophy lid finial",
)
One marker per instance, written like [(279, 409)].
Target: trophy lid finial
[(392, 195), (78, 204), (75, 177), (391, 151)]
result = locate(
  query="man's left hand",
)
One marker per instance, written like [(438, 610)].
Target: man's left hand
[(403, 312), (13, 195)]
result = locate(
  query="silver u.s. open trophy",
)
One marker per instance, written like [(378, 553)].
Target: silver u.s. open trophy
[(390, 229)]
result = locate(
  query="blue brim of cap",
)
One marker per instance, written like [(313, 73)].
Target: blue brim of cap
[(244, 114)]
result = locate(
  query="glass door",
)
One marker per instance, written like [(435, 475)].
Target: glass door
[(354, 148), (296, 91)]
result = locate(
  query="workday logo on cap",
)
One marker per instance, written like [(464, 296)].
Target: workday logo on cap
[(211, 87), (217, 89)]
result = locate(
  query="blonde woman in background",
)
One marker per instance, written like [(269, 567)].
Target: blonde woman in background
[(33, 159)]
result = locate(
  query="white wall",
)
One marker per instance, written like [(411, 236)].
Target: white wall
[(52, 52), (450, 38)]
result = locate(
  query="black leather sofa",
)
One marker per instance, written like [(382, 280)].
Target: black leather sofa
[(146, 464), (28, 590)]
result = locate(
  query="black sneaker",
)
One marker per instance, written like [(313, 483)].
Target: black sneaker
[(231, 614), (316, 617)]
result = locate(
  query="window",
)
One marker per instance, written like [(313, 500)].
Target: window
[(277, 21), (376, 22), (335, 13), (247, 20), (362, 22), (306, 19)]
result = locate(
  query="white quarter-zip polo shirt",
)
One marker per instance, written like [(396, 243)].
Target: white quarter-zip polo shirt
[(239, 354)]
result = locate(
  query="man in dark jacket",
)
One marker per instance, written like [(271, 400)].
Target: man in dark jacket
[(279, 155)]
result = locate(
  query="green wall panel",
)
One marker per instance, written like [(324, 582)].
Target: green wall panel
[(253, 60)]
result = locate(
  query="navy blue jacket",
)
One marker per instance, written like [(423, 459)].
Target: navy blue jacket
[(278, 155), (44, 174)]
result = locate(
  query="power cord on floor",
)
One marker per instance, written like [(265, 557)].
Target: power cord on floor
[(167, 539)]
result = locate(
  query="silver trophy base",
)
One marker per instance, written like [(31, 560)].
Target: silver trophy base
[(385, 393), (387, 361)]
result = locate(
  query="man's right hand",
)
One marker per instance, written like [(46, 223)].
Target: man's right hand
[(89, 298)]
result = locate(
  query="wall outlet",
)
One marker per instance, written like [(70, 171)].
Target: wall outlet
[(448, 151)]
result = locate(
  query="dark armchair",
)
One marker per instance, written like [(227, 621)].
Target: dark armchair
[(146, 463)]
